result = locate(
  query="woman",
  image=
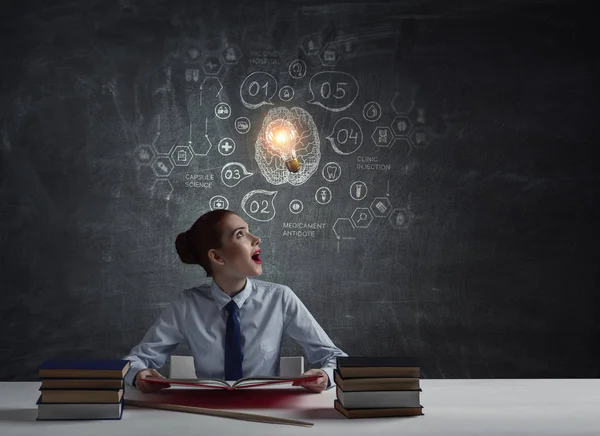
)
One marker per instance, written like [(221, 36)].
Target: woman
[(235, 324)]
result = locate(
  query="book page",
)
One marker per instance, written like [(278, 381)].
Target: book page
[(215, 382), (266, 380), (241, 383)]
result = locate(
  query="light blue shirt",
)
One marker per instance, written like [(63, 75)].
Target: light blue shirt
[(268, 311)]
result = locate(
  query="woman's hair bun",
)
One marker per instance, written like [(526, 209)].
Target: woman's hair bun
[(184, 249)]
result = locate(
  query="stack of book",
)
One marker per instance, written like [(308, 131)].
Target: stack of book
[(369, 387), (82, 389)]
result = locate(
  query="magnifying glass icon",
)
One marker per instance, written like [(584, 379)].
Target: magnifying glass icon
[(362, 217)]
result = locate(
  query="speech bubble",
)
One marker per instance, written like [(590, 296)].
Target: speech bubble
[(333, 90), (258, 89), (233, 173), (346, 136), (258, 204)]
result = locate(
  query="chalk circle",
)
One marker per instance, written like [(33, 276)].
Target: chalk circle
[(218, 202), (242, 125), (358, 190), (286, 93), (226, 146), (372, 111), (323, 195), (296, 206), (222, 111), (297, 69), (346, 136), (331, 171)]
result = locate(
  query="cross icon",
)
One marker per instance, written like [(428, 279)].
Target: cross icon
[(226, 146)]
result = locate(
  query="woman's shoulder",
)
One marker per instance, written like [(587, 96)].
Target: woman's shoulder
[(262, 285), (191, 293), (277, 291)]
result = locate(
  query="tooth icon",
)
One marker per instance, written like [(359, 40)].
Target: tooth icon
[(331, 172)]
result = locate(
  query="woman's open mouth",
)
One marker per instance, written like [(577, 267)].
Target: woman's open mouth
[(256, 257)]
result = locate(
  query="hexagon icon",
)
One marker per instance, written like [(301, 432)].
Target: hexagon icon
[(311, 44), (419, 138), (330, 55), (231, 54), (167, 129), (182, 155), (383, 136), (211, 64), (201, 147), (399, 218), (162, 188), (144, 154), (344, 229), (192, 56), (401, 126), (362, 217), (381, 207), (162, 166)]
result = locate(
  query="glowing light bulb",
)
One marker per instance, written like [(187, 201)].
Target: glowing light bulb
[(282, 138)]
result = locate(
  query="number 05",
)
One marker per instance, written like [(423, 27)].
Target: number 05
[(340, 92)]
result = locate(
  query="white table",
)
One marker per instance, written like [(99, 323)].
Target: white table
[(452, 407)]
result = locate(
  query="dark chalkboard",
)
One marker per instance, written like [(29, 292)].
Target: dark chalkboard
[(445, 208)]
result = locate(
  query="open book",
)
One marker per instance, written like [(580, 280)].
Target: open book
[(246, 382)]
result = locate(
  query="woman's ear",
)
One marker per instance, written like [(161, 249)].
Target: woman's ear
[(215, 257)]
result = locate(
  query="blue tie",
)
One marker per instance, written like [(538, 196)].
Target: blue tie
[(233, 344)]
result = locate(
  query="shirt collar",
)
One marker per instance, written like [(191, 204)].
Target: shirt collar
[(222, 299)]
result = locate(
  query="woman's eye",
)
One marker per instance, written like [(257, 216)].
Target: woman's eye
[(240, 234)]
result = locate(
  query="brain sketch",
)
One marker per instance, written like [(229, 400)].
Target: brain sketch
[(308, 150)]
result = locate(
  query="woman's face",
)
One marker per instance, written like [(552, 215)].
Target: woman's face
[(239, 256)]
